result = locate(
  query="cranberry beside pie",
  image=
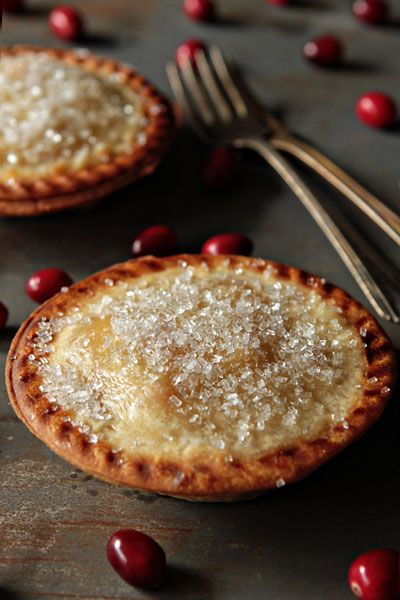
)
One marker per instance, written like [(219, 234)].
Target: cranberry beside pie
[(207, 378)]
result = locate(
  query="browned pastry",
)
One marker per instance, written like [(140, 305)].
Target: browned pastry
[(201, 377), (75, 128)]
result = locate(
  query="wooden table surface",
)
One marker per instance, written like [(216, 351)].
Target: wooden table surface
[(293, 544)]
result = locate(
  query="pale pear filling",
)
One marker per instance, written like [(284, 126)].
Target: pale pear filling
[(189, 361), (58, 118)]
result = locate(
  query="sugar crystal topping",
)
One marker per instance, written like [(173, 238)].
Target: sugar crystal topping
[(187, 360), (57, 117)]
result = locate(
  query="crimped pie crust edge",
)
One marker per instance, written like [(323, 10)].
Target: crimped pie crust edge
[(60, 192), (212, 479)]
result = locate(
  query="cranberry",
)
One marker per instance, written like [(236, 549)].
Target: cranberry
[(228, 243), (44, 284), (326, 50), (188, 50), (374, 12), (66, 23), (199, 10), (137, 558), (159, 240), (279, 2), (376, 109), (3, 315), (13, 6), (375, 575), (221, 168)]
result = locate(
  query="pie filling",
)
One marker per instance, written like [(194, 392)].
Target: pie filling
[(189, 361), (58, 118)]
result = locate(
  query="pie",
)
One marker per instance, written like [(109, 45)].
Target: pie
[(74, 128), (201, 377)]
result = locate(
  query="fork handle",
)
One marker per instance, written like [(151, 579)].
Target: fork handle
[(378, 212), (352, 260)]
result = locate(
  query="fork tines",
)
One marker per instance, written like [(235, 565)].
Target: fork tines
[(205, 89)]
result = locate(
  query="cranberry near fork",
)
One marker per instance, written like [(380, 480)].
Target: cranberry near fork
[(223, 112)]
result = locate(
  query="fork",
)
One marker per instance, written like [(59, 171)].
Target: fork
[(222, 112), (281, 138)]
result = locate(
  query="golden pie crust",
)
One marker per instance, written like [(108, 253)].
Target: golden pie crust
[(36, 196), (205, 475)]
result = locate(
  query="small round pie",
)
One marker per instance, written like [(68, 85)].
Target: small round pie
[(202, 377), (74, 128)]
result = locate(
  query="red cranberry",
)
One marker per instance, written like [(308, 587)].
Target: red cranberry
[(374, 12), (44, 284), (159, 240), (375, 575), (66, 23), (188, 50), (278, 2), (376, 109), (199, 10), (221, 168), (3, 315), (228, 243), (137, 558), (326, 50), (13, 6)]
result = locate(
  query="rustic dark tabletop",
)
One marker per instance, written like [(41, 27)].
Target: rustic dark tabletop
[(293, 544)]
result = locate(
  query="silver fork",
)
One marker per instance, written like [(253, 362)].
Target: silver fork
[(223, 113)]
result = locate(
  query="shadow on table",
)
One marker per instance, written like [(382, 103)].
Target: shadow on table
[(393, 23), (8, 594), (90, 40), (33, 11), (353, 66), (180, 581), (7, 335)]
